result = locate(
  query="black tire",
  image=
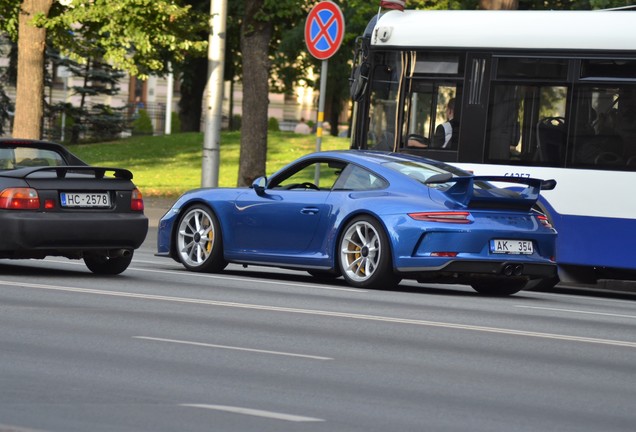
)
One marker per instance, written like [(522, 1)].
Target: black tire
[(364, 255), (198, 240), (104, 265), (499, 287)]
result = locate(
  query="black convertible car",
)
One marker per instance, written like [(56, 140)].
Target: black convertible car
[(53, 203)]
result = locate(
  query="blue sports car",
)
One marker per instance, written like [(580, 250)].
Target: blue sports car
[(373, 218)]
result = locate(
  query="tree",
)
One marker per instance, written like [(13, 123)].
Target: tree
[(29, 107), (263, 23), (96, 122), (139, 36)]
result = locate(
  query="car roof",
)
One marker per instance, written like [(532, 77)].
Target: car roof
[(20, 142), (42, 144), (379, 157)]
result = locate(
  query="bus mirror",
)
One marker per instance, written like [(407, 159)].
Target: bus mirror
[(358, 81)]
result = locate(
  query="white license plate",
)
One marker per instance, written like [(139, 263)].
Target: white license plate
[(514, 247), (85, 199)]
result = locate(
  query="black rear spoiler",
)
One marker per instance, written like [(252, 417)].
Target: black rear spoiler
[(62, 171), (463, 191)]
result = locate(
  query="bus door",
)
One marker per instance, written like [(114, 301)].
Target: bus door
[(432, 105)]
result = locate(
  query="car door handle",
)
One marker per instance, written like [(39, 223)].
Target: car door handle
[(310, 210)]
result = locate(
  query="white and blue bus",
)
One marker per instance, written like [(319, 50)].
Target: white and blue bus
[(545, 94)]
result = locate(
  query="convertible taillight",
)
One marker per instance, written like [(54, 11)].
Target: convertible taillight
[(137, 202), (19, 199), (448, 217)]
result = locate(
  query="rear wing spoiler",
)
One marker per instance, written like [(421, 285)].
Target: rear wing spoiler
[(464, 192), (62, 171)]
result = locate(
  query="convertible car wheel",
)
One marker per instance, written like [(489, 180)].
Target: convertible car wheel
[(499, 287), (104, 265), (365, 256), (199, 242)]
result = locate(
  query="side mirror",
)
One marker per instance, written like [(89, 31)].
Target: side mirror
[(259, 185)]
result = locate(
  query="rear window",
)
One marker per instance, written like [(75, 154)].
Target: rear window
[(417, 170), (20, 157), (422, 171)]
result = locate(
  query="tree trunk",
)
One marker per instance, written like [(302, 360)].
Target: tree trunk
[(29, 106), (255, 38)]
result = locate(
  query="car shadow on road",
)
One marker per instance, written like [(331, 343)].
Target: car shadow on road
[(403, 287)]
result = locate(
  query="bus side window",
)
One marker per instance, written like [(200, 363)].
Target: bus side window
[(428, 111), (611, 138), (527, 123)]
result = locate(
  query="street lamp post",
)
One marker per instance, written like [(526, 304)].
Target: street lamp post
[(214, 94)]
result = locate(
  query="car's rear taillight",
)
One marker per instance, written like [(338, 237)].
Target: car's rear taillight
[(19, 199), (448, 217), (137, 202), (543, 220)]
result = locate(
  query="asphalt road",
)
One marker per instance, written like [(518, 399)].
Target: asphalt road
[(160, 349)]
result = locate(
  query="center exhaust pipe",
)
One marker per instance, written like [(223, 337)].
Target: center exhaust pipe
[(513, 270)]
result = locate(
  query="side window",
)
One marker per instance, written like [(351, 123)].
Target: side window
[(527, 123), (432, 119), (605, 126), (319, 175), (383, 102), (355, 178)]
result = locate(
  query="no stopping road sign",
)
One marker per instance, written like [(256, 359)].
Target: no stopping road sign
[(324, 30)]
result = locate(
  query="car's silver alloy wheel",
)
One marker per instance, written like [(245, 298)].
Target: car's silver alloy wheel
[(196, 237), (360, 251)]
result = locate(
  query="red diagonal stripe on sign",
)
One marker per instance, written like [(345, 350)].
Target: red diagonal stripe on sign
[(323, 29)]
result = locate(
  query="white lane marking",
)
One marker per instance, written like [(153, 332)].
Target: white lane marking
[(207, 345), (230, 278), (255, 412), (317, 312), (577, 311)]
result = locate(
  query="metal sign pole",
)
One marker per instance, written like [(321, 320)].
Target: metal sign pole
[(321, 113)]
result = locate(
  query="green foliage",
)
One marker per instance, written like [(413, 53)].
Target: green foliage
[(9, 10), (151, 157), (142, 125), (175, 122), (133, 35), (272, 125), (97, 122), (105, 123)]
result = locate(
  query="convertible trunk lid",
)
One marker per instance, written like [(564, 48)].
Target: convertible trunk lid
[(67, 188)]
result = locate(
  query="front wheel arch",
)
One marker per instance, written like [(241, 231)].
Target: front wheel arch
[(207, 254), (381, 274)]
